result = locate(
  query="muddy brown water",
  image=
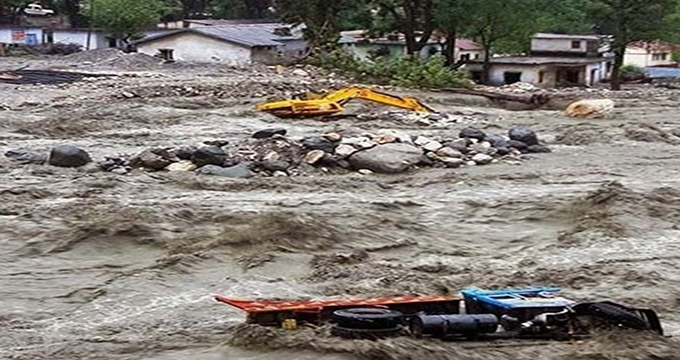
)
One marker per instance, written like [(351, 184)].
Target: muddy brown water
[(103, 266)]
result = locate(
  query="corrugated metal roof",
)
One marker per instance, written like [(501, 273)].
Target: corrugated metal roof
[(250, 35)]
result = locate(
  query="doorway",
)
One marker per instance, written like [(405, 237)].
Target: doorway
[(511, 77)]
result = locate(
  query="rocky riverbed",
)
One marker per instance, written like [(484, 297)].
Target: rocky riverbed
[(119, 261)]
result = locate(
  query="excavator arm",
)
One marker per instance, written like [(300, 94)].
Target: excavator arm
[(333, 103)]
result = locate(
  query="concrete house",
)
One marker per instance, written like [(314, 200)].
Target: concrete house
[(650, 54), (270, 43), (555, 60), (394, 45)]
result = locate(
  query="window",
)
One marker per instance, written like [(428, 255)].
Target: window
[(112, 43), (476, 56), (465, 57), (659, 57), (576, 44), (511, 77), (541, 75), (166, 54)]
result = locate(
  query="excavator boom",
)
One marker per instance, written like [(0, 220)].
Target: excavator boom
[(333, 103)]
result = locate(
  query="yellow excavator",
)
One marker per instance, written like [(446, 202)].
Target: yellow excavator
[(333, 103)]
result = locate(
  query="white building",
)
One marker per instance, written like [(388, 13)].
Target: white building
[(649, 54), (555, 60), (394, 45), (232, 44)]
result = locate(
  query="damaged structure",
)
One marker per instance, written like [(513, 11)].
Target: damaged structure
[(555, 60)]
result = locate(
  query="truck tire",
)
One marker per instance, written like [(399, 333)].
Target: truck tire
[(617, 316), (367, 318)]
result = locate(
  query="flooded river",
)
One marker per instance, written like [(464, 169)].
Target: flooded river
[(96, 265)]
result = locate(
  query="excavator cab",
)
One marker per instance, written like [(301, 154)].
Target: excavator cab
[(313, 105)]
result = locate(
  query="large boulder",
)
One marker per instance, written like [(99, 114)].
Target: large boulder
[(68, 156), (26, 156), (597, 108), (472, 133), (150, 160), (185, 152), (387, 158), (496, 140), (239, 171), (523, 134), (209, 155)]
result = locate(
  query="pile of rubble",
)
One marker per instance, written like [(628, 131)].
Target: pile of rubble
[(114, 58), (270, 152)]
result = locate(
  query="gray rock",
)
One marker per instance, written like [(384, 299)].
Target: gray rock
[(459, 144), (359, 142), (472, 133), (26, 156), (452, 162), (496, 140), (239, 171), (314, 156), (523, 134), (68, 156), (185, 152), (482, 159), (517, 145), (275, 165), (152, 161), (218, 143), (449, 152), (538, 149), (319, 143), (387, 158), (267, 133), (344, 150), (427, 143), (209, 155)]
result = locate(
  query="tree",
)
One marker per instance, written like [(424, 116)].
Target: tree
[(631, 20), (322, 19), (242, 9), (501, 25), (413, 18), (125, 19), (450, 17)]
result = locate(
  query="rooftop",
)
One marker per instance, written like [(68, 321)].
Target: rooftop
[(540, 60), (249, 35), (565, 36)]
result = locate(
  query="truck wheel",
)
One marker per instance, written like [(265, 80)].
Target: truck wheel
[(367, 318)]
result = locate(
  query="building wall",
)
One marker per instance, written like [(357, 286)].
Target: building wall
[(557, 45), (545, 75), (97, 38), (197, 48), (530, 74), (641, 57), (474, 54), (11, 35)]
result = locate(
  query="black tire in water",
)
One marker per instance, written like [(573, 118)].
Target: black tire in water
[(367, 318)]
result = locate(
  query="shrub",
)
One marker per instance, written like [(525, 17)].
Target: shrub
[(403, 71)]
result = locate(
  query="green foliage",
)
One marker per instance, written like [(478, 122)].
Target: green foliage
[(321, 17), (631, 71), (632, 20), (125, 19), (402, 71)]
